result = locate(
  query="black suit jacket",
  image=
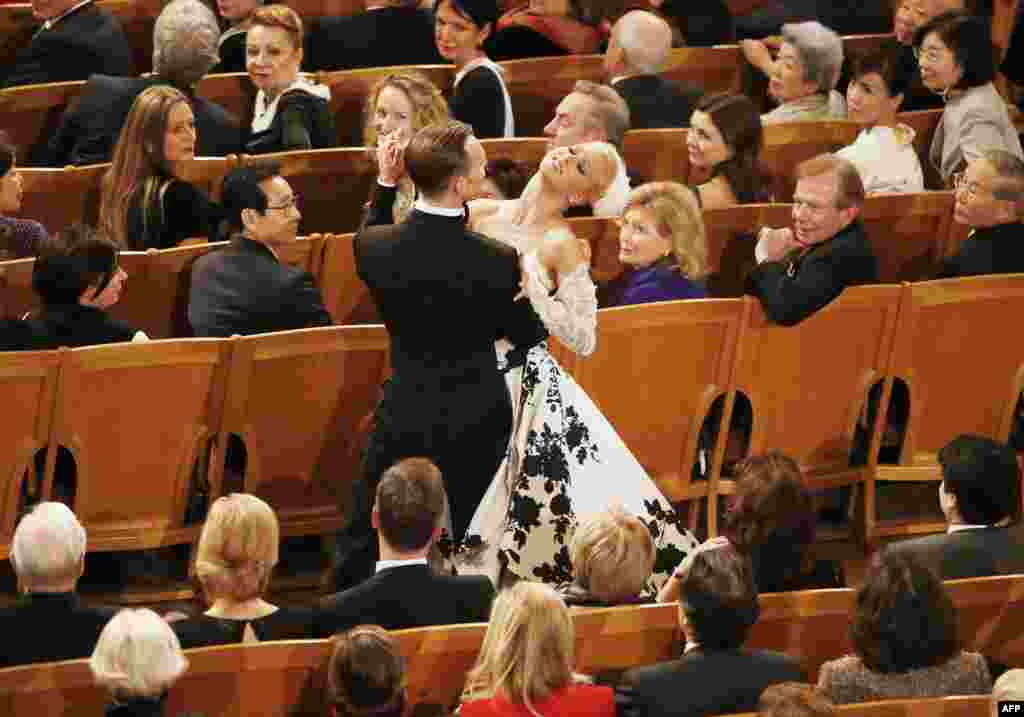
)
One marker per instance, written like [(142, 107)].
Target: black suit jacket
[(794, 288), (90, 126), (407, 596), (994, 250), (76, 325), (655, 102), (704, 682), (244, 289), (972, 553), (89, 41), (50, 627), (376, 38)]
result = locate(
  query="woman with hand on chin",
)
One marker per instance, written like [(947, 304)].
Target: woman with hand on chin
[(291, 112)]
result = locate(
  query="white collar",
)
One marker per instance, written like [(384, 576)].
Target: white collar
[(619, 78), (690, 645), (961, 526), (426, 207), (264, 112), (482, 61), (53, 21), (388, 564)]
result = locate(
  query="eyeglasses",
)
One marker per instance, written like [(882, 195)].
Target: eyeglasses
[(287, 204), (931, 55), (799, 206)]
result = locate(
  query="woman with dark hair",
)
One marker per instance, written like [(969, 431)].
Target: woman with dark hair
[(955, 54), (545, 28), (18, 237), (366, 675), (724, 144), (478, 97), (905, 639), (773, 521), (145, 202), (77, 280)]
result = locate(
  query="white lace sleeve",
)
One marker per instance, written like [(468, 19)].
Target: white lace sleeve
[(571, 313)]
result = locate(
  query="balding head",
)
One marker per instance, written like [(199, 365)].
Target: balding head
[(639, 44), (48, 549)]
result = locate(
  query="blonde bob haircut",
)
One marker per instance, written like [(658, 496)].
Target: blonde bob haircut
[(528, 650), (428, 104), (137, 655), (679, 219), (237, 548), (612, 555)]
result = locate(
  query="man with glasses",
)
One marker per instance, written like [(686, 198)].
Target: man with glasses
[(990, 200), (802, 269), (245, 288)]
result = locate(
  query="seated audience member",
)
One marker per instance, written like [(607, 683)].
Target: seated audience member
[(505, 179), (594, 113), (19, 238), (955, 51), (1009, 686), (884, 151), (772, 520), (366, 674), (552, 28), (715, 675), (145, 202), (638, 48), (793, 699), (138, 659), (478, 95), (398, 107), (980, 497), (989, 199), (77, 280), (526, 661), (407, 516), (236, 16), (704, 25), (905, 640), (612, 560), (662, 246), (354, 41), (291, 112), (804, 75), (724, 148), (235, 557), (800, 270), (76, 39), (244, 288), (48, 623), (184, 50)]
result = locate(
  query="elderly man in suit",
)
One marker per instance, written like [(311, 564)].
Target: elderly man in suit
[(405, 592), (184, 49), (76, 39), (980, 497), (244, 288), (639, 46), (49, 623)]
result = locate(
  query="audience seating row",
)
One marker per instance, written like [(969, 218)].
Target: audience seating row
[(288, 677)]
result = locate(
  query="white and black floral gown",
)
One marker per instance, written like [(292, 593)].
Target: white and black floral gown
[(565, 460)]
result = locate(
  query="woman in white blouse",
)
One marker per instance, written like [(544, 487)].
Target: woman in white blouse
[(884, 151)]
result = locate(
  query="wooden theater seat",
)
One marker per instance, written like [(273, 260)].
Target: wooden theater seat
[(16, 295), (437, 660), (603, 235), (731, 235), (58, 198), (32, 112), (991, 616), (345, 295), (612, 639), (961, 706), (910, 234)]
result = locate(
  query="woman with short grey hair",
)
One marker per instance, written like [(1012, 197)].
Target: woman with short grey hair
[(185, 39)]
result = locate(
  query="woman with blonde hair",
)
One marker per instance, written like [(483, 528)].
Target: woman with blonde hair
[(146, 203), (612, 560), (237, 552), (662, 245), (366, 674), (526, 661)]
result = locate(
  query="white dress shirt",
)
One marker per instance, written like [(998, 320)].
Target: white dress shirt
[(886, 159)]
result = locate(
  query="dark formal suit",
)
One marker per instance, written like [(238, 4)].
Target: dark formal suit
[(48, 627), (90, 126), (407, 596), (76, 325), (704, 682), (362, 40), (792, 289), (244, 289), (86, 42), (994, 250), (971, 553), (656, 103)]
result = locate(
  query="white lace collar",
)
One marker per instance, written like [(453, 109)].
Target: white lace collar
[(264, 113)]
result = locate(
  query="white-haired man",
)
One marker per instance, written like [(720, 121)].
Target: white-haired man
[(49, 623), (639, 46)]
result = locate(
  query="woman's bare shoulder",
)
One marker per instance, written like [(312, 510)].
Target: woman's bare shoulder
[(480, 210)]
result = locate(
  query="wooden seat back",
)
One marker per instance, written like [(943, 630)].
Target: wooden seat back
[(990, 612), (32, 112), (345, 295), (18, 297), (657, 155), (787, 145), (602, 233), (960, 706), (58, 198), (437, 660), (612, 639), (731, 235), (909, 233)]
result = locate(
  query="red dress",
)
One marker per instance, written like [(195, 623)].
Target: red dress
[(578, 700)]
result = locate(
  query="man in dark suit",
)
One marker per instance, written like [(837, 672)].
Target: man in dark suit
[(802, 269), (76, 39), (639, 45), (355, 41), (185, 48), (405, 592), (245, 288), (717, 607), (445, 294), (49, 623), (980, 496)]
